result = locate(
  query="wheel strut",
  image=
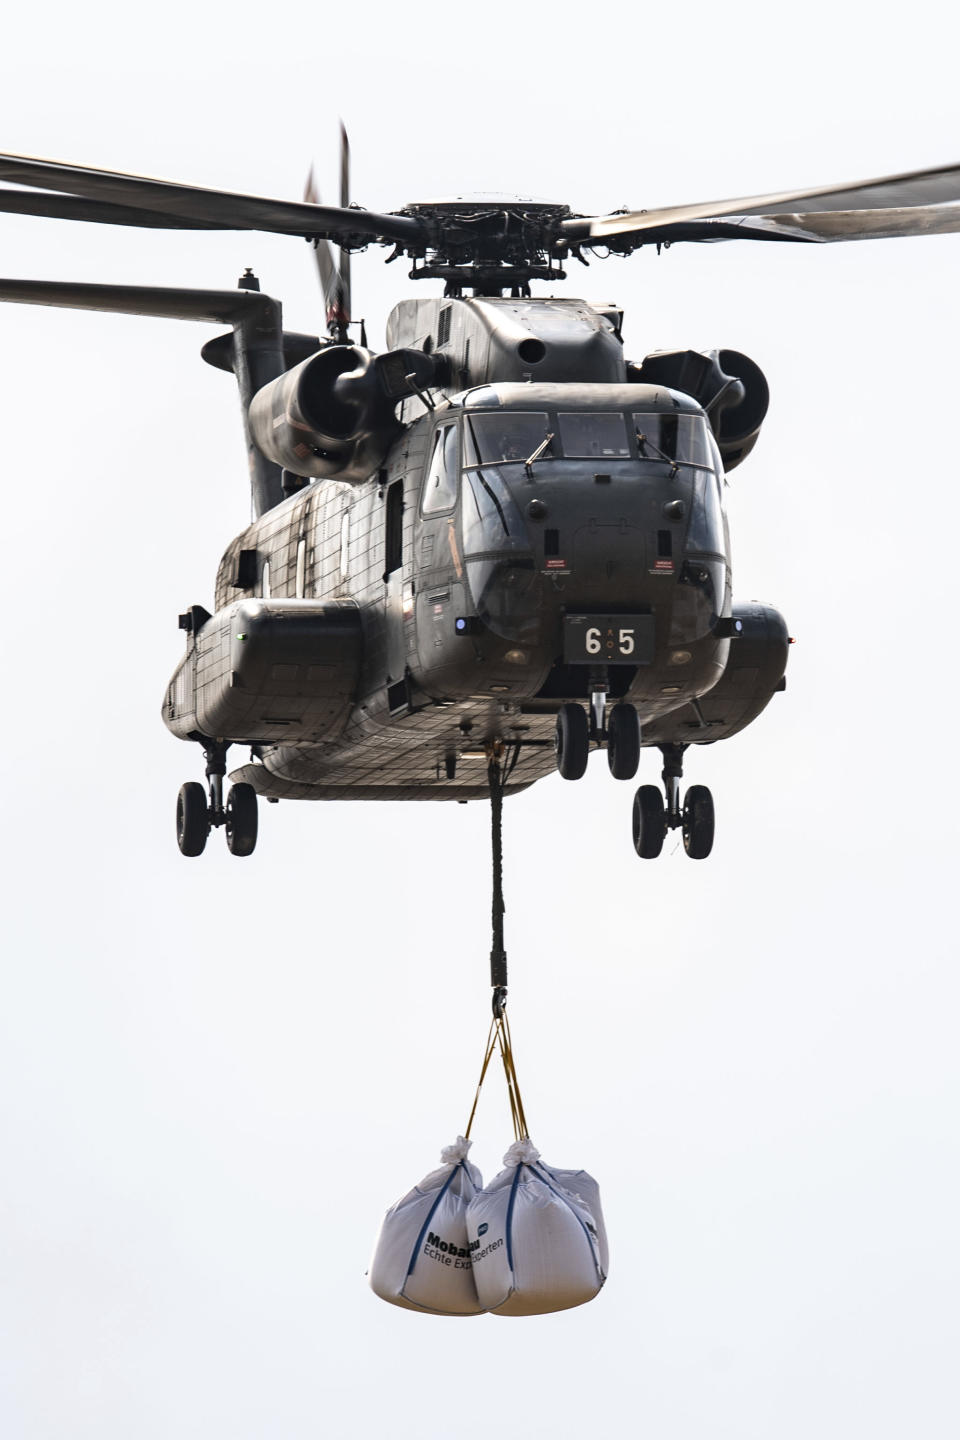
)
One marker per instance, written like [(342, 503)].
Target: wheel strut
[(652, 818), (671, 775), (599, 687), (215, 754)]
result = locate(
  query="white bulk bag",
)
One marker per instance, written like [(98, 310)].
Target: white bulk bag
[(536, 1243), (422, 1258), (586, 1189)]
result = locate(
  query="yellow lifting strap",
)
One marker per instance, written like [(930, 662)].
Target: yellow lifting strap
[(498, 1038)]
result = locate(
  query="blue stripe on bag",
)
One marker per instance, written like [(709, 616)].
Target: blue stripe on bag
[(513, 1196), (440, 1194)]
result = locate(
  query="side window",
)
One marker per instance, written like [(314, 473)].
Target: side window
[(344, 547), (301, 566), (394, 530), (440, 485)]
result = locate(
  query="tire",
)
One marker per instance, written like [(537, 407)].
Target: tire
[(242, 820), (649, 822), (193, 827), (698, 822), (572, 741), (623, 742)]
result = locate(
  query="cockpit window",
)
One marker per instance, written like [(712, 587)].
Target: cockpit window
[(706, 515), (592, 435), (683, 438), (715, 453), (505, 435), (440, 486), (491, 516)]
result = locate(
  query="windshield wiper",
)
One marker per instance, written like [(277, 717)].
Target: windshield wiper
[(503, 519), (643, 441), (538, 452)]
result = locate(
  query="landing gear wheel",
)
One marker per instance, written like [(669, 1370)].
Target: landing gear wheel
[(649, 822), (572, 741), (242, 820), (698, 822), (623, 742), (193, 825)]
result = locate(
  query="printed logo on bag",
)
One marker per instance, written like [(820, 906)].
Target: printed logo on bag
[(448, 1249), (447, 1254), (482, 1229), (487, 1249)]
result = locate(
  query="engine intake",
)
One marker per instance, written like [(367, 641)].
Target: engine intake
[(332, 416), (731, 388)]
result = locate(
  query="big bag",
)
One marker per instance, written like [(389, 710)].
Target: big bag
[(422, 1259), (537, 1244)]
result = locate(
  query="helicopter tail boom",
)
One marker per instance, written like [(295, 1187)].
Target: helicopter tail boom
[(258, 354)]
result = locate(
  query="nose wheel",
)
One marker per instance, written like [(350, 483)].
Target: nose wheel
[(199, 811), (655, 813), (619, 728), (623, 742), (572, 741)]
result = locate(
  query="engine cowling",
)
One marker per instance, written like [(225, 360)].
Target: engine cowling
[(731, 388), (332, 416)]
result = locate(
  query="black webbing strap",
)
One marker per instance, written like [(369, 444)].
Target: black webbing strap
[(498, 955)]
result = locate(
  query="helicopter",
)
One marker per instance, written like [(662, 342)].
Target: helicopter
[(498, 540)]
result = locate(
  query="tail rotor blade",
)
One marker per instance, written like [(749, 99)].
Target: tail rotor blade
[(344, 266), (329, 271)]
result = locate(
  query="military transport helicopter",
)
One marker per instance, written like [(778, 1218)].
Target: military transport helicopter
[(500, 537)]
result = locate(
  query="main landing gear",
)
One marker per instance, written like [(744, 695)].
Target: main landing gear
[(654, 814), (198, 813)]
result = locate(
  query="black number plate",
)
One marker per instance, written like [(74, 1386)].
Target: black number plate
[(608, 639)]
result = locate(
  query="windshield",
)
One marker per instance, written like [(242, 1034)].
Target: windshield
[(491, 516), (503, 435), (591, 434), (496, 551), (516, 435), (683, 438)]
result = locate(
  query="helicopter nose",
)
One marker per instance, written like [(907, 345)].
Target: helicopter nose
[(608, 558)]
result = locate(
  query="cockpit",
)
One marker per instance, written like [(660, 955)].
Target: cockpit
[(574, 458)]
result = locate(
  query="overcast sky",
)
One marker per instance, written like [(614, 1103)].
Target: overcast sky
[(216, 1074)]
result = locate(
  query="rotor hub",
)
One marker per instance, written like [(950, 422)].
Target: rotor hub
[(488, 243)]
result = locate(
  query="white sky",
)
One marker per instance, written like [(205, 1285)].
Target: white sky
[(215, 1075)]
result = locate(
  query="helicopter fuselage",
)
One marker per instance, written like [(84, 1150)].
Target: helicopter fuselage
[(523, 546)]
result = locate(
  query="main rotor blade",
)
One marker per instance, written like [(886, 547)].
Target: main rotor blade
[(219, 209), (71, 207), (225, 307), (912, 189), (812, 226)]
